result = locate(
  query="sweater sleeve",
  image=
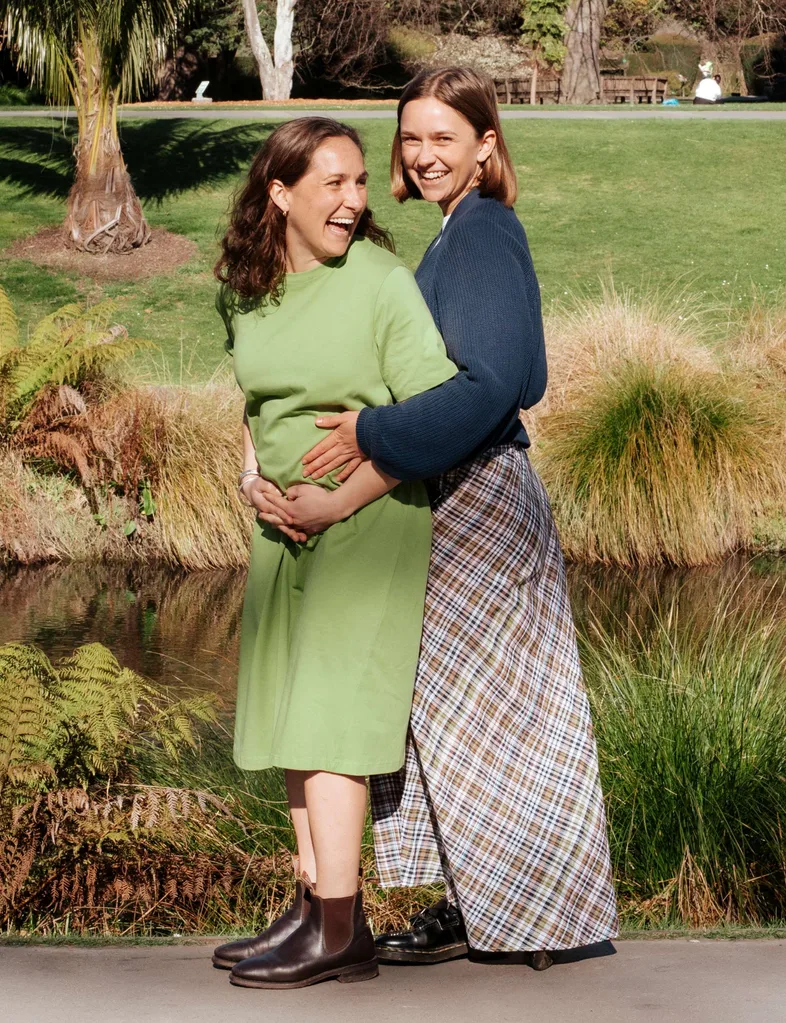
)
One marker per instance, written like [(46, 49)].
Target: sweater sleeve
[(486, 316), (410, 349)]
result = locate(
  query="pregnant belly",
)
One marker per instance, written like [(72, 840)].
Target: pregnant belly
[(281, 445)]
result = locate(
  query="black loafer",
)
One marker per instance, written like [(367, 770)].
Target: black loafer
[(437, 935)]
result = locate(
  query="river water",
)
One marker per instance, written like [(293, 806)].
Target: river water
[(183, 629)]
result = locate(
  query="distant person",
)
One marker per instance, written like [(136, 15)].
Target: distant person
[(708, 91)]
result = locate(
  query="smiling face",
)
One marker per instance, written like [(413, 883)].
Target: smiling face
[(441, 152), (324, 206)]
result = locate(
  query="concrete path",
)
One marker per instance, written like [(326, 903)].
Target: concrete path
[(349, 114), (663, 981)]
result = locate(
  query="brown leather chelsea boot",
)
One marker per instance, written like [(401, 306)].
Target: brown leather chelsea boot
[(227, 956), (334, 942)]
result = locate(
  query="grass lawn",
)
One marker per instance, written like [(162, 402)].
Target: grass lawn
[(689, 205)]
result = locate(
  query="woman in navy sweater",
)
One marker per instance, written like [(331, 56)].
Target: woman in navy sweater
[(499, 797)]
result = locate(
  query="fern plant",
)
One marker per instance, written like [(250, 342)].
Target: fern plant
[(54, 392), (85, 843), (68, 347), (85, 719)]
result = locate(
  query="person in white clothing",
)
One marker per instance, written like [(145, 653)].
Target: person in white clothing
[(708, 91)]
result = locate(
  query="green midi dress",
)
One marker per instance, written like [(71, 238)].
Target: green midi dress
[(331, 628)]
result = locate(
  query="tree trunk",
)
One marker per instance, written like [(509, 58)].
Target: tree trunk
[(533, 84), (104, 213), (581, 70), (276, 72)]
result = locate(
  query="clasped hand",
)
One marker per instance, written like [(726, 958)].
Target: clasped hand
[(304, 510)]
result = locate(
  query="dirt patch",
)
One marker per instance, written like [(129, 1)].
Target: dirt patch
[(164, 252)]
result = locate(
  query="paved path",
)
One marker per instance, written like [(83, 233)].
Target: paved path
[(350, 114), (663, 981)]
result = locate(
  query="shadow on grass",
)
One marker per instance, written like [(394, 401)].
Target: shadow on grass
[(165, 158)]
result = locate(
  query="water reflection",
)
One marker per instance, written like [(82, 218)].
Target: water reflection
[(173, 627), (752, 586), (179, 628)]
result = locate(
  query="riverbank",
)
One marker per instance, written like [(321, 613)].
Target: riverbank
[(124, 813), (658, 442)]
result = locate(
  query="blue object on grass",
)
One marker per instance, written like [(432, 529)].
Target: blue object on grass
[(671, 103)]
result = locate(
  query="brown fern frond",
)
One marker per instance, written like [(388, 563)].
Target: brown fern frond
[(65, 449)]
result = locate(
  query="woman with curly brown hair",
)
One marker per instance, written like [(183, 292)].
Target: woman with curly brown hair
[(320, 315)]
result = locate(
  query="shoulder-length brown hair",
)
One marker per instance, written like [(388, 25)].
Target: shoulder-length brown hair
[(471, 94), (253, 250)]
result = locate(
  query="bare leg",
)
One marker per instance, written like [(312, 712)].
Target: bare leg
[(305, 862), (336, 813)]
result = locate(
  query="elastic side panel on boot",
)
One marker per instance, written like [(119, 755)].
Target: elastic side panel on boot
[(338, 916)]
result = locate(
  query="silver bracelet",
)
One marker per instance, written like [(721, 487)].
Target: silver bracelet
[(243, 483), (248, 472)]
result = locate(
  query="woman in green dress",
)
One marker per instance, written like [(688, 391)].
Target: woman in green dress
[(321, 316)]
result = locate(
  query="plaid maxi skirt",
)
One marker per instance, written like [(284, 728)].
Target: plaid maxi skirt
[(499, 795)]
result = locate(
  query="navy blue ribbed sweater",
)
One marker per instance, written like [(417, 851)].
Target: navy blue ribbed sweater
[(480, 286)]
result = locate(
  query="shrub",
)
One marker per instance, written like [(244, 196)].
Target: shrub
[(652, 448), (690, 717), (13, 96), (121, 811), (409, 46)]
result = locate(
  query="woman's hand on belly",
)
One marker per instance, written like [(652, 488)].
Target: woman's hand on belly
[(340, 447), (273, 507), (313, 509)]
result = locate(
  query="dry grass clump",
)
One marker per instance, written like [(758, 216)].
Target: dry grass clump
[(41, 517), (180, 444), (652, 446), (155, 465), (199, 521), (762, 341)]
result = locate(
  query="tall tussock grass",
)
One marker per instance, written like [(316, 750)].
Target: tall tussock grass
[(654, 447), (690, 718), (199, 521)]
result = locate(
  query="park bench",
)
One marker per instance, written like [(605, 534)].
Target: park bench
[(634, 89), (614, 89), (517, 90)]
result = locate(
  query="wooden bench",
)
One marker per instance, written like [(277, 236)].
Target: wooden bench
[(635, 89), (517, 90), (614, 89)]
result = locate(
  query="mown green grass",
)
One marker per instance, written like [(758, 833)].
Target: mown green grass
[(651, 203)]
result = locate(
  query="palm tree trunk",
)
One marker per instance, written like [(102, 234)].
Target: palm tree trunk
[(104, 213)]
